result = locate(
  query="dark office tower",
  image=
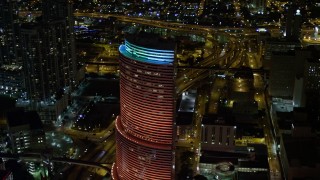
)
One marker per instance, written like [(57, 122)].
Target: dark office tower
[(144, 129), (11, 77), (59, 41), (49, 59), (9, 29), (55, 9), (293, 22), (35, 79)]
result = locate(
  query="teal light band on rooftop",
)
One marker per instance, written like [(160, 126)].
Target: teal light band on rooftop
[(154, 56)]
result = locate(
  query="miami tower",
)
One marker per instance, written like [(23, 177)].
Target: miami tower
[(145, 127)]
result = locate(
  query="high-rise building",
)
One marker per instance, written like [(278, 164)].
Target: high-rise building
[(31, 44), (11, 74), (293, 22), (59, 21), (277, 45), (145, 127), (312, 69), (48, 52), (11, 79), (282, 74), (25, 133), (58, 49), (9, 33), (313, 75)]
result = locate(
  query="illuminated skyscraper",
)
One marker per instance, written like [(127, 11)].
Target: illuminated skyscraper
[(145, 127)]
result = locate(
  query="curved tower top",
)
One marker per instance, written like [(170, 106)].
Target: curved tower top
[(146, 48)]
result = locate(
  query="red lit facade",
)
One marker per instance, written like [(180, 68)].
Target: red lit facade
[(144, 129)]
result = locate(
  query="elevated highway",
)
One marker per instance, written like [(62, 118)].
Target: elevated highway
[(39, 157), (104, 166)]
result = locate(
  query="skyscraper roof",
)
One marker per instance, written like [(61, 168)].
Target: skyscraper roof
[(150, 40)]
